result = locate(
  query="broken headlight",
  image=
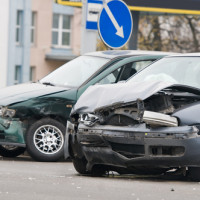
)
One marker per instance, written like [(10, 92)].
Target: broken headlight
[(88, 119), (5, 112)]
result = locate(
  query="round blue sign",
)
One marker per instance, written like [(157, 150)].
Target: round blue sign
[(115, 24)]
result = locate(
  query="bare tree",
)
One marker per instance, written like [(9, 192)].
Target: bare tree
[(178, 33)]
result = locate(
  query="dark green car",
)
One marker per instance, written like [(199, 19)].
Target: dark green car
[(33, 115)]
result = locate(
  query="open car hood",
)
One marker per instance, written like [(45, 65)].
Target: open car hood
[(102, 96), (23, 92)]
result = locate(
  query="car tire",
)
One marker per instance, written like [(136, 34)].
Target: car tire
[(194, 173), (11, 151), (80, 165), (45, 140)]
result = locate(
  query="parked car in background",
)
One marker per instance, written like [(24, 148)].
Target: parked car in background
[(33, 115), (148, 125)]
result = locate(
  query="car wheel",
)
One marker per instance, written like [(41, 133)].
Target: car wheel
[(45, 140), (194, 173), (80, 165), (11, 151)]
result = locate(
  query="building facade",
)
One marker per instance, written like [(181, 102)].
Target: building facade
[(4, 21), (39, 37)]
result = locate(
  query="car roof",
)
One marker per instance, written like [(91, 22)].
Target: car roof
[(196, 54), (123, 53)]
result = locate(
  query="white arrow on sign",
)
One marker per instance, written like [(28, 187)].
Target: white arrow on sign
[(120, 31)]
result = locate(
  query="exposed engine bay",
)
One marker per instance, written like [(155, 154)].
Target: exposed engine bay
[(154, 111)]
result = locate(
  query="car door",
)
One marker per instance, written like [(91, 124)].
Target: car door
[(120, 71)]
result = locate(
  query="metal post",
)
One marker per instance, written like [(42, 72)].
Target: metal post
[(134, 37), (88, 37)]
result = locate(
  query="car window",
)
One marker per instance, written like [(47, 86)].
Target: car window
[(75, 72), (110, 78), (131, 68), (177, 70), (124, 72), (141, 64)]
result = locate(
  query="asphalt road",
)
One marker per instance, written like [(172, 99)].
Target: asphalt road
[(24, 179)]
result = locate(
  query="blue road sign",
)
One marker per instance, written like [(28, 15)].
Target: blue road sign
[(115, 24)]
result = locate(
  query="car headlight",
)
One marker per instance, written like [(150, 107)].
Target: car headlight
[(88, 119), (5, 112), (2, 110)]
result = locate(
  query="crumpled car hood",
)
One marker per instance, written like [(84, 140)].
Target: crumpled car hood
[(102, 96), (23, 92)]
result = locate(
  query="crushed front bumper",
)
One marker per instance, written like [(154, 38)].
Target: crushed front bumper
[(12, 132), (137, 146)]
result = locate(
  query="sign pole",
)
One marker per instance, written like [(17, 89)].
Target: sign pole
[(133, 42), (88, 37)]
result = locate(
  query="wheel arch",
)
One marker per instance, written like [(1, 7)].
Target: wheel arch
[(30, 121)]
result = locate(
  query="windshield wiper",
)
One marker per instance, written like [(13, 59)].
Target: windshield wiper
[(48, 83)]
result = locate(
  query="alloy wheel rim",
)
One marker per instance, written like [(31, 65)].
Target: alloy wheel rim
[(48, 139)]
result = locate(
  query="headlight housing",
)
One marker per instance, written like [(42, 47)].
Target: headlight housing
[(5, 112), (88, 119)]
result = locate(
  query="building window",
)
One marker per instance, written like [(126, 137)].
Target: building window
[(32, 73), (19, 28), (17, 74), (61, 31), (33, 27)]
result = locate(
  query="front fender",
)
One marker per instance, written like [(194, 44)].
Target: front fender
[(71, 146)]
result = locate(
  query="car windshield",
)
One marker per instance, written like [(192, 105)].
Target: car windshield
[(178, 70), (75, 72)]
